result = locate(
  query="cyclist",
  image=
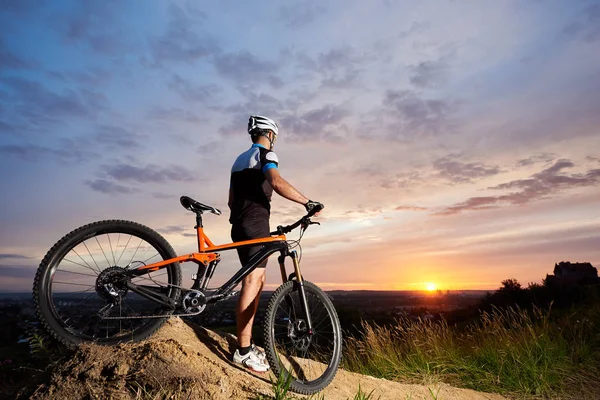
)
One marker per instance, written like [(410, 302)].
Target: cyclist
[(254, 176)]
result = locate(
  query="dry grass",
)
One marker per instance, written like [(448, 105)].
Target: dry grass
[(522, 353)]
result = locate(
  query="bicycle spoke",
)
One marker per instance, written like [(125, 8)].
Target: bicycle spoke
[(124, 248), (93, 259), (89, 266), (71, 283), (151, 279), (135, 252), (150, 258), (102, 250), (76, 273), (111, 249)]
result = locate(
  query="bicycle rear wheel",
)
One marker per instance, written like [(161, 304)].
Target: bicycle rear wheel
[(83, 275), (309, 360)]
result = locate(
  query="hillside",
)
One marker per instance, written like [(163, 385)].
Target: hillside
[(194, 362)]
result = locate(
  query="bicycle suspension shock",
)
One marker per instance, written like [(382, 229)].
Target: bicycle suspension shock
[(301, 291)]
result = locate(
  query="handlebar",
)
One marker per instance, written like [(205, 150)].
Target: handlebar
[(305, 221)]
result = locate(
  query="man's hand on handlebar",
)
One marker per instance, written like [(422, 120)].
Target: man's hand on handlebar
[(313, 208)]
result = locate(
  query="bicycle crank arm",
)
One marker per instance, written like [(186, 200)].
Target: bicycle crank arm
[(152, 295), (211, 299)]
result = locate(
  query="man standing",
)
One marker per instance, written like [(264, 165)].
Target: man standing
[(254, 176)]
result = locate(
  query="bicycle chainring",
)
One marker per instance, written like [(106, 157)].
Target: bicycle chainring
[(194, 302)]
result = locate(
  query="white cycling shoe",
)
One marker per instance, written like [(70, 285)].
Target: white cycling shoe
[(252, 360), (260, 354)]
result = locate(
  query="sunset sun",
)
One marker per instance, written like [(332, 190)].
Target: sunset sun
[(430, 286)]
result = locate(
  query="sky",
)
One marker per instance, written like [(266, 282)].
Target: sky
[(451, 142)]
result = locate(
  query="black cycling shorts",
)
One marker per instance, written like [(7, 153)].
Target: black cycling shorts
[(247, 230)]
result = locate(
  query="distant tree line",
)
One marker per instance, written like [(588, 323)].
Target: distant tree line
[(572, 284)]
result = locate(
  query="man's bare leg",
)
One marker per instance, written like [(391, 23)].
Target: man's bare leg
[(247, 304)]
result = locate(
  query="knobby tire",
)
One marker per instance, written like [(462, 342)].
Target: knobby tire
[(49, 313), (326, 328)]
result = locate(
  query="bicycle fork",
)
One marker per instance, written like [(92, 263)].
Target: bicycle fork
[(298, 282)]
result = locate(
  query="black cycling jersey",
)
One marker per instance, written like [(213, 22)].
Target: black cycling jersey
[(251, 192)]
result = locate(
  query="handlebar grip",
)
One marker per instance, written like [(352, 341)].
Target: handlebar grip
[(287, 229), (315, 210)]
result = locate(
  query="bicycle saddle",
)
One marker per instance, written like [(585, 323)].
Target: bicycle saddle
[(190, 204)]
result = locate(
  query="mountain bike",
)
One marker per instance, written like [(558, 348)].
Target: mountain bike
[(115, 281)]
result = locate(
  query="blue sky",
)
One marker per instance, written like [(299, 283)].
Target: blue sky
[(453, 142)]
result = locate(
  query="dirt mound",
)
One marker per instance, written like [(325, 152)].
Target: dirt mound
[(192, 362)]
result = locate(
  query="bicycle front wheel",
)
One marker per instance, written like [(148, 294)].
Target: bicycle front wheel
[(81, 281), (308, 359)]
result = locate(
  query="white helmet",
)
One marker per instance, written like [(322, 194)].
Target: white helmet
[(260, 122)]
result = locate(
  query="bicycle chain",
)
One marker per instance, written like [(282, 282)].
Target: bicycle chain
[(161, 316), (153, 316)]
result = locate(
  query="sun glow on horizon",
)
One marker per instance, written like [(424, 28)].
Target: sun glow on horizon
[(430, 286)]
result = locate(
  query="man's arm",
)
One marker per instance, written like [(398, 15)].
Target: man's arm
[(283, 188)]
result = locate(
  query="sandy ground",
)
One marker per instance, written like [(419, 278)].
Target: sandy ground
[(194, 362)]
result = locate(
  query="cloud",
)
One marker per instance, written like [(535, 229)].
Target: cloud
[(244, 68), (410, 208), (550, 180), (473, 204), (347, 80), (78, 149), (174, 114), (8, 60), (96, 25), (587, 25), (163, 196), (89, 77), (315, 122), (535, 159), (196, 93), (338, 68), (177, 230), (212, 147), (6, 128), (428, 74), (416, 27), (151, 173), (13, 256), (459, 172), (418, 115), (39, 107), (172, 229), (595, 159), (16, 271), (104, 186), (300, 14), (404, 180), (263, 104), (358, 214), (116, 137), (181, 43), (539, 186), (20, 6), (32, 153)]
